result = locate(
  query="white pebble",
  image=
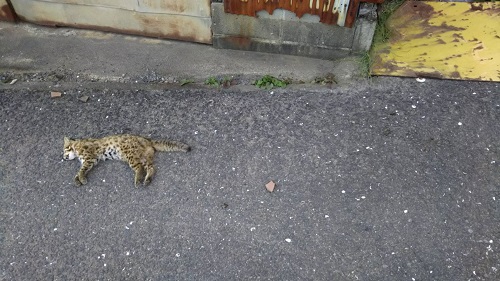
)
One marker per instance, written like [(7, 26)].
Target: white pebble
[(288, 240), (459, 123)]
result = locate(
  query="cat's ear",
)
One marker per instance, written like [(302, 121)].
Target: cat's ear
[(66, 140)]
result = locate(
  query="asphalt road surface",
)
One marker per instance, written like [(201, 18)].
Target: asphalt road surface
[(388, 180)]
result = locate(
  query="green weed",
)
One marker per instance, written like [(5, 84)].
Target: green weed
[(226, 81), (212, 81), (186, 81), (270, 82), (366, 64), (329, 78), (382, 31), (218, 82)]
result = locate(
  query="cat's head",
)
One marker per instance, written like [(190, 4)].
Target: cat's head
[(69, 149)]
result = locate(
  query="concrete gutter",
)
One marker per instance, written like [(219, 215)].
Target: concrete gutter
[(83, 56)]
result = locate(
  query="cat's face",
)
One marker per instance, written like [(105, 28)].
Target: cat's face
[(69, 149)]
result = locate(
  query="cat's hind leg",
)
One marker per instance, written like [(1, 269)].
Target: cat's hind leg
[(148, 165), (136, 165)]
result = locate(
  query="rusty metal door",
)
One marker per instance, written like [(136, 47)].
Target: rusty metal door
[(340, 12), (6, 11), (188, 20)]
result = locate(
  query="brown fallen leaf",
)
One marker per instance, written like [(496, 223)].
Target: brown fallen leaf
[(84, 98), (55, 94), (270, 186)]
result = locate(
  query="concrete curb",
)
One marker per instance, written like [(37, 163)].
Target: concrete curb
[(284, 33), (32, 53)]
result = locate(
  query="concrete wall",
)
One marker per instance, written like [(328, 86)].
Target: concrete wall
[(284, 33), (188, 20), (195, 20)]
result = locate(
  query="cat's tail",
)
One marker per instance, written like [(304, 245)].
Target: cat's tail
[(167, 145)]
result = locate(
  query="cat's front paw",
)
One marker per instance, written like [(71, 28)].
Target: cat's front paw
[(80, 180), (137, 183), (77, 181), (147, 181)]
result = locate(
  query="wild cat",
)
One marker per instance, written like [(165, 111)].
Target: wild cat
[(137, 151)]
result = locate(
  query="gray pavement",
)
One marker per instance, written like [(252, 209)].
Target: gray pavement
[(387, 179)]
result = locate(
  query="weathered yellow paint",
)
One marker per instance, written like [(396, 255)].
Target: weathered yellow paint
[(442, 39)]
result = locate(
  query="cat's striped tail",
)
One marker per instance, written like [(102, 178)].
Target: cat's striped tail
[(167, 145)]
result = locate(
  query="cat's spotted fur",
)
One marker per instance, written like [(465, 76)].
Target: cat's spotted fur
[(137, 151)]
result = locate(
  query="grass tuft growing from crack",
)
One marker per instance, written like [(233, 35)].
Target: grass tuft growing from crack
[(270, 82), (218, 82), (382, 33), (212, 81), (185, 82), (366, 64), (328, 78)]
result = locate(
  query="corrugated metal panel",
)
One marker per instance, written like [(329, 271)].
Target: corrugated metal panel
[(340, 12), (6, 11), (188, 20)]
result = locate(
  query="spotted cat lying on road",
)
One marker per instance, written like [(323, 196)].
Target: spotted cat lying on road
[(137, 151)]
